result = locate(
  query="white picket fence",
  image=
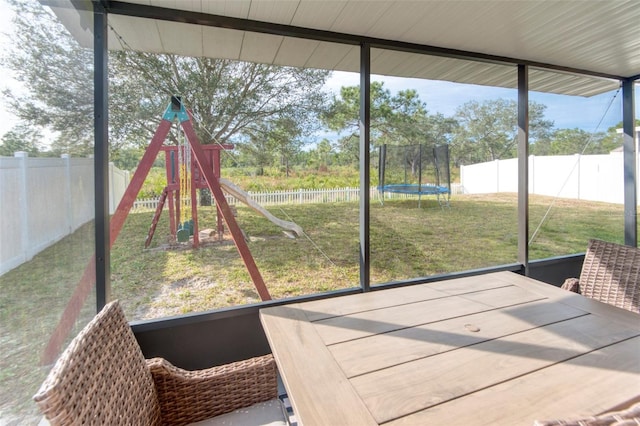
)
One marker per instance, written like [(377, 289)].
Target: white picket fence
[(300, 196)]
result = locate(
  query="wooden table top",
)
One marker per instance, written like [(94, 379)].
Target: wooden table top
[(490, 349)]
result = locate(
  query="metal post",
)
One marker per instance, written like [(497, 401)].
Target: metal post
[(630, 159), (523, 167), (98, 269), (365, 124), (419, 175), (101, 156)]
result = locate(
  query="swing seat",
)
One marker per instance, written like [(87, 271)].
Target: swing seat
[(182, 235), (185, 230)]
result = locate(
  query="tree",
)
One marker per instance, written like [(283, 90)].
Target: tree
[(400, 119), (574, 141), (278, 141), (322, 154), (489, 131), (619, 126), (21, 138), (57, 74), (343, 114), (127, 158), (230, 100), (283, 137)]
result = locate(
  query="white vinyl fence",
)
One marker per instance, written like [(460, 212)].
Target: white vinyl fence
[(45, 199), (302, 196), (584, 177)]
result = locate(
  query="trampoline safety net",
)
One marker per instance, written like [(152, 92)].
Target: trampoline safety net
[(415, 169)]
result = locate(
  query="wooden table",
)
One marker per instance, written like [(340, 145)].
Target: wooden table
[(493, 349)]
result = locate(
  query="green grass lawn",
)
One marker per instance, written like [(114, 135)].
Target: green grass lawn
[(406, 242)]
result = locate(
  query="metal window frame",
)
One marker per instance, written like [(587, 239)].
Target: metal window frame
[(101, 9), (101, 156)]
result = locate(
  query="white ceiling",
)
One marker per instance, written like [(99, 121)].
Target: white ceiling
[(601, 36)]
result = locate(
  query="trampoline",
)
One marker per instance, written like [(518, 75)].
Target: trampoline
[(415, 170)]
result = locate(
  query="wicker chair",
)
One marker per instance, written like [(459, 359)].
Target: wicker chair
[(102, 378), (610, 274)]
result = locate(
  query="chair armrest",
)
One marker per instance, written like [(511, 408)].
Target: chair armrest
[(572, 284), (191, 396)]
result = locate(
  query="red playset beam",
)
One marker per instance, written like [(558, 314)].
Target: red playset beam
[(223, 206), (88, 279), (173, 170), (80, 294)]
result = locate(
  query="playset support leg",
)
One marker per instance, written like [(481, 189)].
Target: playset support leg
[(221, 201), (88, 279)]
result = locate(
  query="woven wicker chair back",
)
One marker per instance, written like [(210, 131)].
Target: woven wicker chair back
[(611, 274), (101, 378)]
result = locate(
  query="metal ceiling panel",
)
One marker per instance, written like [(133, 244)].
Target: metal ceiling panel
[(398, 18), (358, 17), (183, 39), (260, 47), (458, 24), (386, 61), (569, 84), (295, 52), (222, 43), (279, 12), (316, 14), (351, 61), (332, 54), (134, 34), (79, 24), (599, 36), (593, 35), (190, 5), (487, 74), (430, 67), (231, 8)]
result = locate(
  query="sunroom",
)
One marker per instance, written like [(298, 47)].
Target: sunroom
[(186, 93)]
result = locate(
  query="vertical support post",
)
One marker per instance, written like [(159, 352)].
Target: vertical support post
[(101, 156), (68, 193), (382, 163), (26, 251), (523, 167), (98, 270), (419, 175), (365, 127), (630, 164)]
